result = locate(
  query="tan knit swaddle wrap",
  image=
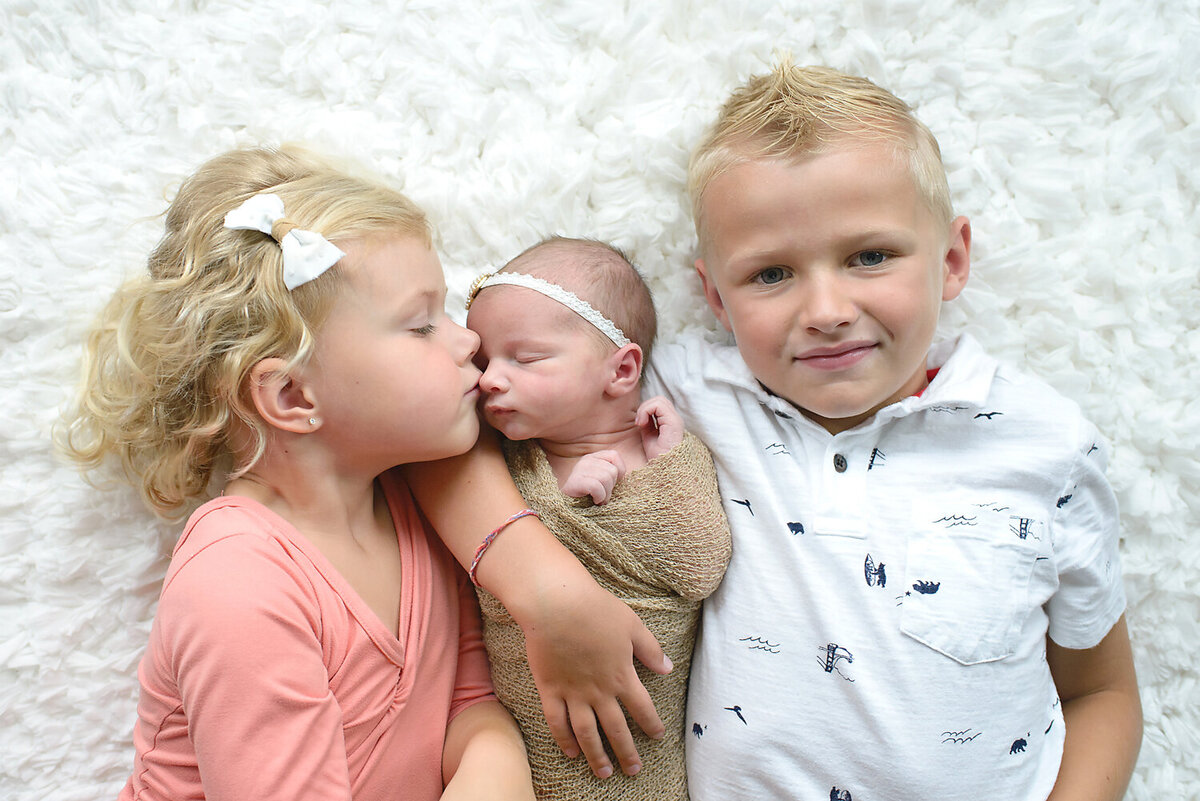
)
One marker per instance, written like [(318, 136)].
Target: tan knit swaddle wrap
[(661, 544)]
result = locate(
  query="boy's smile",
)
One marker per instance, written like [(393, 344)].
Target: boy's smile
[(830, 273)]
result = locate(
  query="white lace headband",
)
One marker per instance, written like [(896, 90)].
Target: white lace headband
[(554, 292), (306, 254)]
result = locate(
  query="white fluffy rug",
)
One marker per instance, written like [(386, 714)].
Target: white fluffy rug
[(1071, 130)]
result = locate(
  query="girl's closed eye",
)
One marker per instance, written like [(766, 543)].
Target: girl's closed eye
[(425, 330)]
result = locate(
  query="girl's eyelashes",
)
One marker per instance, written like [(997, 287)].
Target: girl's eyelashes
[(425, 330)]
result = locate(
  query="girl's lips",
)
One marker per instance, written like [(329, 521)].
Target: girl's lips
[(836, 358)]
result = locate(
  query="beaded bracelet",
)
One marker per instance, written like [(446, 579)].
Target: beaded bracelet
[(483, 546)]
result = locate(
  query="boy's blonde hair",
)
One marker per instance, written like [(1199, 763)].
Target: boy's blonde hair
[(167, 362), (602, 275), (792, 113)]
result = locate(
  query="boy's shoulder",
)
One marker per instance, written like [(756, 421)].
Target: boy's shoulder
[(696, 355), (995, 400), (967, 372)]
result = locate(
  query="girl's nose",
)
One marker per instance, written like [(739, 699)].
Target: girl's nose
[(466, 340)]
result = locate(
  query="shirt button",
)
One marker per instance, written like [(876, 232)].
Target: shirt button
[(839, 463)]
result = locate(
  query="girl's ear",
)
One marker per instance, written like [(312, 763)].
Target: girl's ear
[(626, 373), (282, 399)]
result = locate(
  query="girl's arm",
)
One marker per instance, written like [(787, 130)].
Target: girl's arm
[(1103, 715), (484, 756), (235, 628), (581, 640)]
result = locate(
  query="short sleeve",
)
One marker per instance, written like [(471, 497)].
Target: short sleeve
[(1085, 531), (240, 626)]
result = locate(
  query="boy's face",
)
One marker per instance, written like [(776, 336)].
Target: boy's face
[(830, 273), (544, 370)]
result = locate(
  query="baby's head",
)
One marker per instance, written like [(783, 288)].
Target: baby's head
[(827, 241), (173, 363), (564, 329)]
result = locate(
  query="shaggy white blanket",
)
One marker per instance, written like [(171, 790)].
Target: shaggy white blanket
[(1070, 131)]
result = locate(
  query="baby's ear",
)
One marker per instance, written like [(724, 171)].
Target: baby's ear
[(626, 365), (282, 398)]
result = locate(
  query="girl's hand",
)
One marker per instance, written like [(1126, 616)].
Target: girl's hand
[(661, 426), (581, 642), (595, 474)]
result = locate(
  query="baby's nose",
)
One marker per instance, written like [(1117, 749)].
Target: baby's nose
[(492, 381)]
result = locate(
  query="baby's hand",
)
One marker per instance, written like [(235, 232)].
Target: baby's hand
[(595, 474), (661, 425)]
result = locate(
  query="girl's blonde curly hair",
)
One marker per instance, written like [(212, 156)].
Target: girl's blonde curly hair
[(167, 361)]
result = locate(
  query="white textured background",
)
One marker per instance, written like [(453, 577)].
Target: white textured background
[(1070, 131)]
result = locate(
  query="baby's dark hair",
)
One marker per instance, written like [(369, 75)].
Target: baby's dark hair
[(599, 273)]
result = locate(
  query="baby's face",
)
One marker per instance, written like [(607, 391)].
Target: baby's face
[(830, 273), (544, 368)]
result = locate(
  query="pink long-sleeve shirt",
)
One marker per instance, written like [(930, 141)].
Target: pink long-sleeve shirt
[(268, 677)]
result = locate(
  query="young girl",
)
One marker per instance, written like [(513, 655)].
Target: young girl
[(313, 639)]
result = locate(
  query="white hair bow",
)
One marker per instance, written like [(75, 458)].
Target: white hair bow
[(306, 254)]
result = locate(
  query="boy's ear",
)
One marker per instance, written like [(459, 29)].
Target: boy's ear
[(957, 263), (626, 372), (282, 399), (712, 295)]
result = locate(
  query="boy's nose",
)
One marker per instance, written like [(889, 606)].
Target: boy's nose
[(827, 305)]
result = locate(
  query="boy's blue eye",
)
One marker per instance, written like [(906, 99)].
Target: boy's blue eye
[(772, 275), (871, 258)]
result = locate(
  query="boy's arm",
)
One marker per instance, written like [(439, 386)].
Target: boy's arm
[(581, 640), (484, 756), (1103, 715)]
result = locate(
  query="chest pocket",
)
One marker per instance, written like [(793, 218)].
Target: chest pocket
[(968, 582)]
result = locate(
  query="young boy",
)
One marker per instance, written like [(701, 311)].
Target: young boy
[(924, 599), (941, 572), (564, 329)]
